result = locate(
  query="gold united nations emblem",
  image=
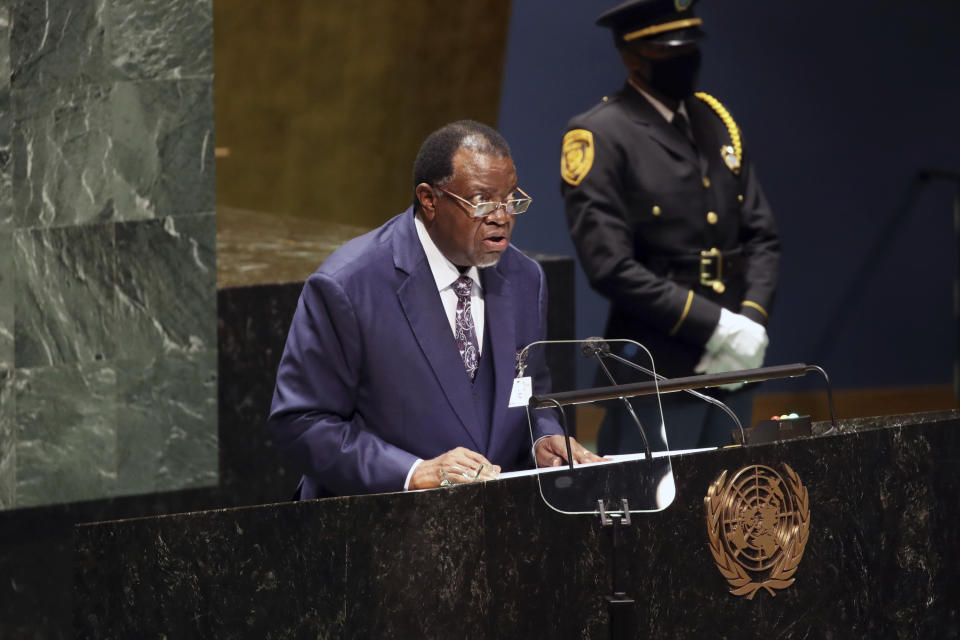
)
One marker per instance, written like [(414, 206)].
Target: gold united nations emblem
[(758, 524), (577, 155)]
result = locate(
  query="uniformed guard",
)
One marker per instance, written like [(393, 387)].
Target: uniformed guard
[(670, 222)]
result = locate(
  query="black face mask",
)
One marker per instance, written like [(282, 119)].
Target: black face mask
[(675, 77)]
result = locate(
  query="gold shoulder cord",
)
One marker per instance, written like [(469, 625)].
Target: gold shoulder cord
[(728, 121)]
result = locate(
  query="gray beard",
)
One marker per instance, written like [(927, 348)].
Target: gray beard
[(487, 262)]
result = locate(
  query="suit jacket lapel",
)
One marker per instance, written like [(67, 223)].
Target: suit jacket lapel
[(664, 133), (424, 311), (500, 315)]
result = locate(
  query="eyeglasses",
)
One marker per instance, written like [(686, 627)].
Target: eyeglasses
[(484, 209)]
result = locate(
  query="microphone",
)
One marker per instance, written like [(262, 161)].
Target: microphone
[(598, 348), (565, 398), (604, 347), (594, 346)]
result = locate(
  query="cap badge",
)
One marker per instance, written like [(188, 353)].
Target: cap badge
[(577, 156), (682, 5)]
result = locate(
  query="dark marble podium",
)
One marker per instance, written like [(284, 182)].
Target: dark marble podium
[(492, 561)]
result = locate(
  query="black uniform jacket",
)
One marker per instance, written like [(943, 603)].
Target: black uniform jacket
[(648, 205)]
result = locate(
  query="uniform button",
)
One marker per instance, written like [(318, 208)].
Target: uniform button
[(656, 210), (604, 99), (740, 197), (712, 217), (706, 182)]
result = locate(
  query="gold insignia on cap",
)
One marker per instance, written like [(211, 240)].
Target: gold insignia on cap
[(682, 5), (577, 156), (758, 524)]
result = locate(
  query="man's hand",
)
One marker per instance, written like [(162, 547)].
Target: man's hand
[(458, 465), (551, 451)]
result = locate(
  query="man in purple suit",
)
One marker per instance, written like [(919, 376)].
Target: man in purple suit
[(402, 353)]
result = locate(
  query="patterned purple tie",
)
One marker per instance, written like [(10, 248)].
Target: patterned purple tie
[(465, 333)]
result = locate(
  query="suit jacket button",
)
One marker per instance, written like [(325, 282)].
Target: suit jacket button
[(712, 217)]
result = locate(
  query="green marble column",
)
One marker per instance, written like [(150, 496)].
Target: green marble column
[(107, 249), (8, 471)]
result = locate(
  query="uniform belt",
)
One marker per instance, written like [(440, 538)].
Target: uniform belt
[(711, 268)]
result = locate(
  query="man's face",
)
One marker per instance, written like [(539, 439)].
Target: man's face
[(467, 241)]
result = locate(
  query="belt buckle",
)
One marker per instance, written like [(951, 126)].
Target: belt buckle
[(711, 270)]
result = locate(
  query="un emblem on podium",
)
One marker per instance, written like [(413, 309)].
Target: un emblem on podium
[(758, 523)]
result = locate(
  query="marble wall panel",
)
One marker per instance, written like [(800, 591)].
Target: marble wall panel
[(6, 186), (6, 166), (163, 134), (166, 285), (56, 41), (61, 150), (66, 440), (6, 300), (166, 407), (8, 441), (64, 295), (107, 303), (154, 39), (5, 45)]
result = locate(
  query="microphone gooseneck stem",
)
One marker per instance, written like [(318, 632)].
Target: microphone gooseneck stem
[(833, 416), (626, 403), (563, 425), (702, 396)]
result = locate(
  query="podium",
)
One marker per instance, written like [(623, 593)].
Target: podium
[(493, 561)]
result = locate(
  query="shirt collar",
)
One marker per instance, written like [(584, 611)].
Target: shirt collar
[(659, 106), (445, 273)]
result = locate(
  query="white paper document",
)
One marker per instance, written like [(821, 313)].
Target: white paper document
[(622, 457)]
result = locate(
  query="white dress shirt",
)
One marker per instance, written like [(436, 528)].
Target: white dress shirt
[(445, 274)]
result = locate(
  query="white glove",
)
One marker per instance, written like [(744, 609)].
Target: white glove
[(737, 343), (740, 337), (719, 363)]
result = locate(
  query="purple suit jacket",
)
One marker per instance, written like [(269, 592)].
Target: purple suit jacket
[(371, 378)]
